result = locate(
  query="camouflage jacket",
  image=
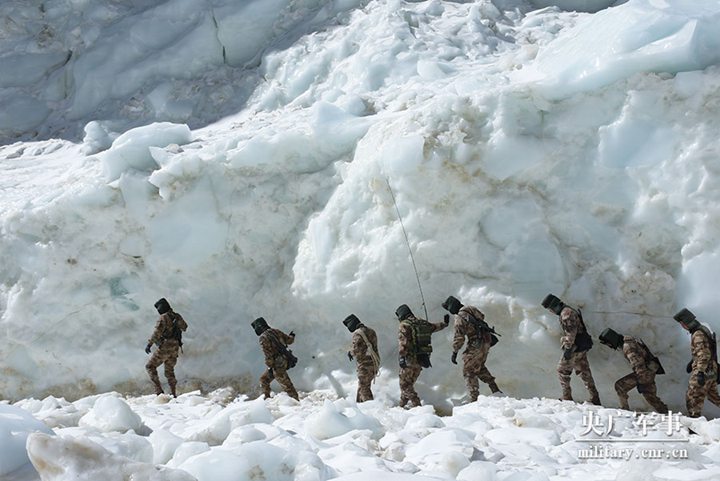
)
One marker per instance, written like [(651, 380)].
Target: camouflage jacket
[(639, 357), (271, 341), (702, 356), (405, 338), (360, 348), (465, 327), (571, 326), (164, 327)]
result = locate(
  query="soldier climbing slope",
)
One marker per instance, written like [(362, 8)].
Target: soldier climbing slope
[(365, 352), (644, 365), (415, 348), (576, 342), (703, 368), (470, 323), (278, 358), (168, 337)]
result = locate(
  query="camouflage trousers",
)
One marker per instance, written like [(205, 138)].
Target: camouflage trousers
[(167, 354), (474, 369), (365, 373), (279, 373), (408, 376), (629, 382), (579, 362), (696, 393)]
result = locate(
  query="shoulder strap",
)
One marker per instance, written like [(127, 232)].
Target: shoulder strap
[(582, 321), (273, 337), (374, 355), (649, 353), (712, 339)]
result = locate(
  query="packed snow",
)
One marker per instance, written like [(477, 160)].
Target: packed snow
[(218, 436), (266, 158)]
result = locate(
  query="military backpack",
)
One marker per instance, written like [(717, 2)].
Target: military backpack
[(421, 332), (175, 332)]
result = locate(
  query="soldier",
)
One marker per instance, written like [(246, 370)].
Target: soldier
[(168, 337), (278, 358), (703, 367), (644, 365), (576, 342), (415, 348), (470, 323), (365, 352)]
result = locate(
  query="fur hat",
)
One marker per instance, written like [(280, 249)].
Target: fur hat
[(162, 306), (352, 322), (553, 304), (452, 305), (403, 312), (259, 325), (687, 319), (611, 338)]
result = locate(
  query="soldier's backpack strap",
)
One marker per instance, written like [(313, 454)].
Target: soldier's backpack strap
[(583, 340), (176, 331), (651, 357), (712, 339), (717, 366), (283, 349), (373, 355)]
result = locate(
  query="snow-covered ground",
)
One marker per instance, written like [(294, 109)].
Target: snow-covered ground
[(241, 158), (218, 437)]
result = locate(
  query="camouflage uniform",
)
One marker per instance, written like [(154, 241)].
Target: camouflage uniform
[(276, 362), (644, 369), (167, 351), (572, 326), (410, 373), (475, 355), (702, 362), (368, 364)]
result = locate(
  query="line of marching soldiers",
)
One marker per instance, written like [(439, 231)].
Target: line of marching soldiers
[(471, 331)]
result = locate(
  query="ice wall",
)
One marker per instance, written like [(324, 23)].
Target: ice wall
[(125, 64), (508, 189)]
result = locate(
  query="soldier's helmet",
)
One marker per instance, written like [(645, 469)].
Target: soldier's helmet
[(687, 320), (553, 303), (259, 325), (403, 312), (162, 306), (352, 322), (452, 305), (611, 338)]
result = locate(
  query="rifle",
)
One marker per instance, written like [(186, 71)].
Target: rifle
[(481, 326), (282, 349)]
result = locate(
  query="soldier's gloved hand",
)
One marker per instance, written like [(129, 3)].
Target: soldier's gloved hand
[(453, 359), (701, 378), (403, 363), (642, 388), (350, 356), (567, 354), (147, 348), (688, 368), (446, 318)]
